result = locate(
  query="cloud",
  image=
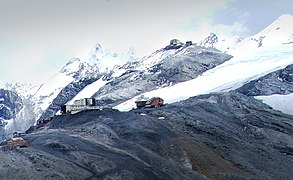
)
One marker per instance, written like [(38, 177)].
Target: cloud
[(52, 32), (22, 66), (32, 63), (225, 20), (116, 24)]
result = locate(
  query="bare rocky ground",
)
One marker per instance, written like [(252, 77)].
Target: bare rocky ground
[(217, 136), (95, 145), (231, 135)]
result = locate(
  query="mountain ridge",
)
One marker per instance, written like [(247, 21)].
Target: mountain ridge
[(214, 123), (77, 74)]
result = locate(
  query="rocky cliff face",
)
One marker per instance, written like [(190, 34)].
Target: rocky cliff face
[(10, 105), (278, 82)]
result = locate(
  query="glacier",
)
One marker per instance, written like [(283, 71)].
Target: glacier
[(254, 56), (225, 77)]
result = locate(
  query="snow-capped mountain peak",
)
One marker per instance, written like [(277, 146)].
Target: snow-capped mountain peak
[(280, 32), (77, 68), (156, 57), (22, 89), (71, 66), (282, 25), (209, 41), (99, 60), (106, 60), (78, 73)]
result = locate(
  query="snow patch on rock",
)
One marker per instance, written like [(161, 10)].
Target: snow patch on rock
[(279, 102)]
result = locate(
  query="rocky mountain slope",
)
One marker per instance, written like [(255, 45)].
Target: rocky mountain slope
[(106, 76), (44, 101), (278, 82), (160, 69), (213, 126), (227, 76), (228, 135), (186, 64), (10, 105), (274, 89), (217, 136), (266, 38), (17, 108)]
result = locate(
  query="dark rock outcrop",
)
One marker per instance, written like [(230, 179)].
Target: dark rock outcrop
[(243, 131), (10, 104), (278, 82)]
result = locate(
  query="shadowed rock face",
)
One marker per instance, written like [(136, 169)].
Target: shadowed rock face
[(218, 136), (10, 104), (278, 82)]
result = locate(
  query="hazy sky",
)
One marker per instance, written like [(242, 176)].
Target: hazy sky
[(38, 37)]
